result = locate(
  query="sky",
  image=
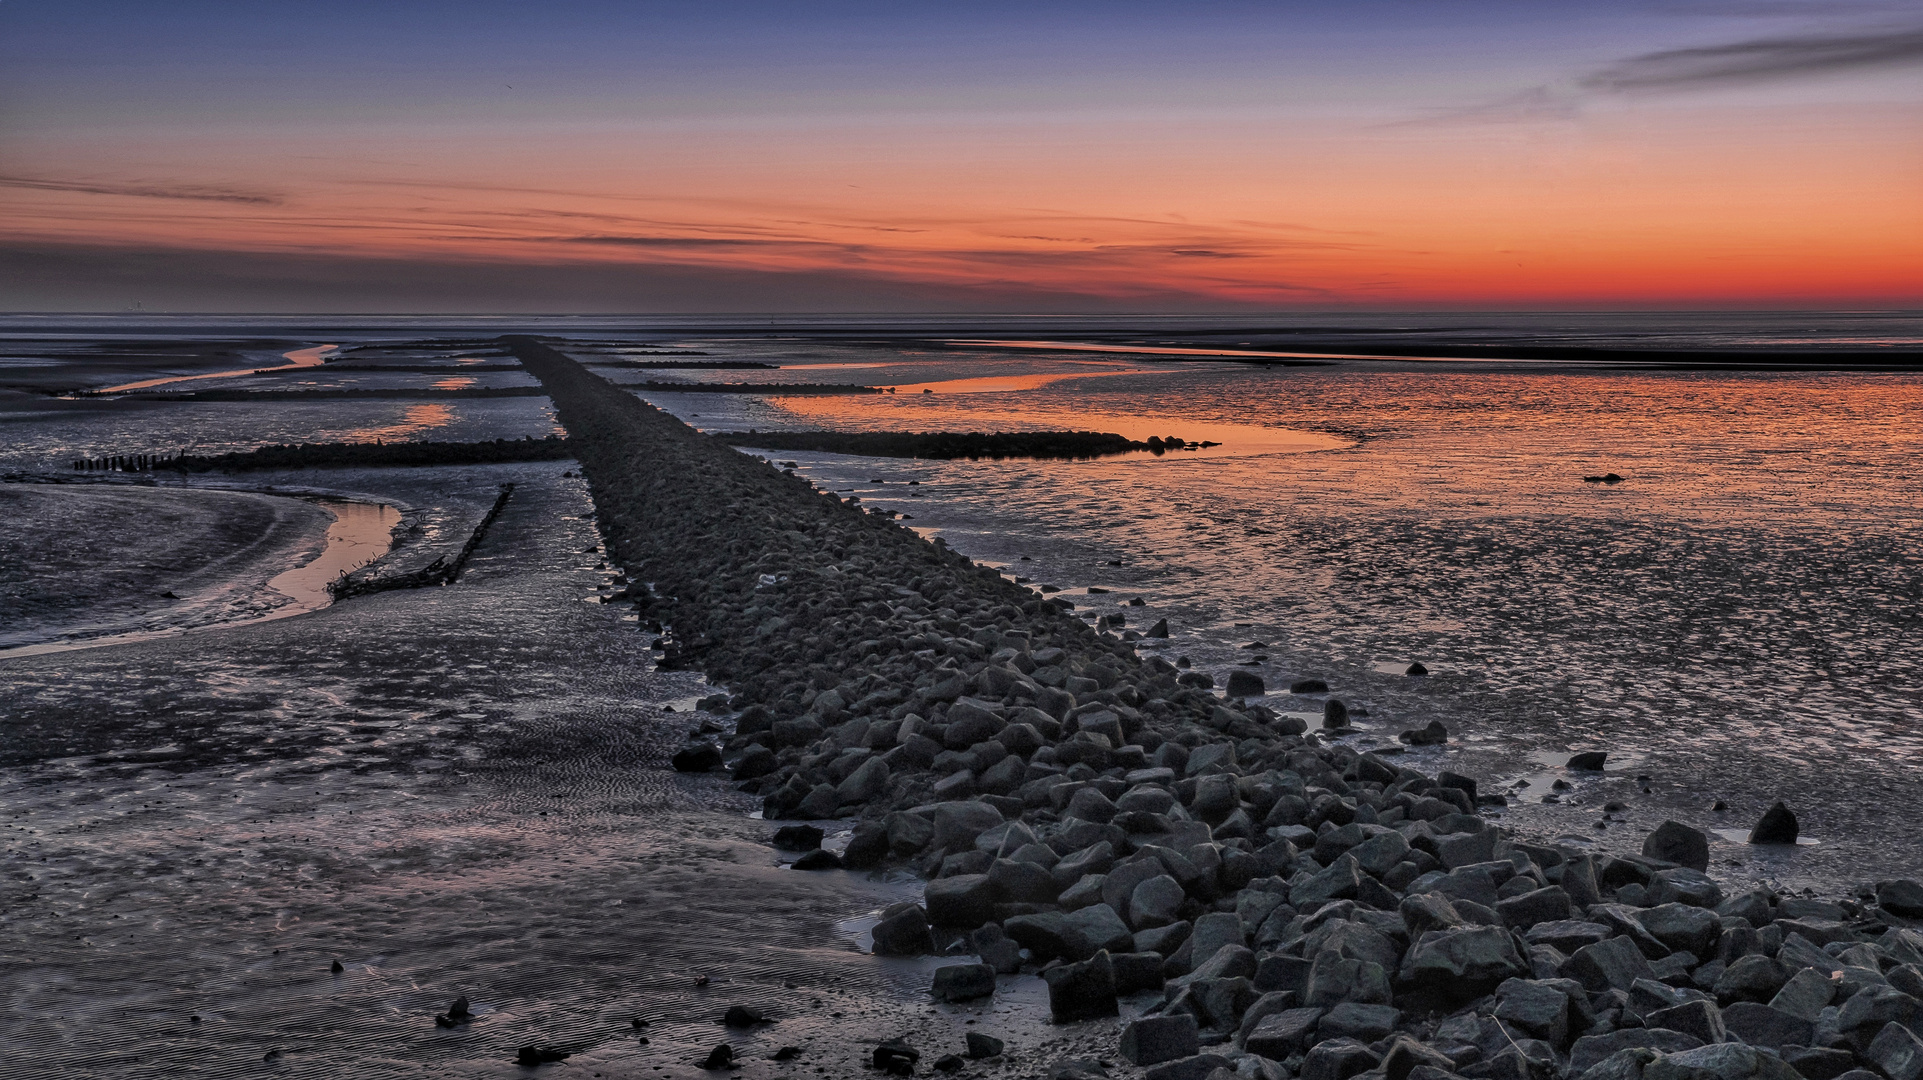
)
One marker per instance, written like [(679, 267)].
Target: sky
[(724, 156)]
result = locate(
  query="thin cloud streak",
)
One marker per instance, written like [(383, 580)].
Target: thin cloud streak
[(190, 192), (1762, 59)]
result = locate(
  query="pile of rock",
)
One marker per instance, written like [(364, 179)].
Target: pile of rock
[(1106, 821)]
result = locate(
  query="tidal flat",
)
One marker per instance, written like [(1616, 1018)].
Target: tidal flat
[(466, 791)]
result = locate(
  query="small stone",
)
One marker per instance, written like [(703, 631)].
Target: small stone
[(798, 838), (1588, 761), (963, 982), (741, 1016), (896, 1058), (1245, 684), (336, 967), (531, 1056), (1308, 686), (1776, 826), (1335, 715), (903, 932), (1417, 668), (818, 859), (948, 1063), (1432, 735), (984, 1046), (1159, 630), (702, 757), (786, 1053)]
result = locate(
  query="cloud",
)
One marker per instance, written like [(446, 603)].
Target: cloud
[(192, 192), (1760, 59), (104, 277), (1756, 60)]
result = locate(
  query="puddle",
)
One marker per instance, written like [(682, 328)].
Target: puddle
[(299, 358), (360, 533), (1741, 836)]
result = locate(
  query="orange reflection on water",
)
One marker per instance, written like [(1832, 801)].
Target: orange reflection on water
[(995, 384), (415, 418), (458, 382), (918, 413)]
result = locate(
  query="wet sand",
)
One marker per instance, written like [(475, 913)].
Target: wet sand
[(450, 791)]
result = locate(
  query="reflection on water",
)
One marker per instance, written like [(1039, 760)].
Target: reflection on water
[(361, 533), (299, 358), (1002, 384), (416, 418), (458, 382)]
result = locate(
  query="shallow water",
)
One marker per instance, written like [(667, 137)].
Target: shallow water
[(1744, 610)]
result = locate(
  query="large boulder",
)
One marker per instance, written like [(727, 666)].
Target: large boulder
[(1082, 991), (1463, 962), (1155, 1039), (964, 900), (1675, 842), (1720, 1061), (957, 824), (1613, 964)]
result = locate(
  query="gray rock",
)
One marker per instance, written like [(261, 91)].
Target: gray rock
[(1338, 1059), (965, 900), (1464, 961), (1550, 905), (1720, 1061), (869, 780), (1820, 1062), (1096, 928), (1805, 995), (1022, 882), (983, 1046), (1136, 971), (1621, 1065), (1776, 826), (1675, 842), (1406, 1055), (1541, 1011), (1902, 897), (1245, 684), (1083, 893), (1700, 1019), (1682, 885), (1568, 935), (1155, 1039), (1866, 1013), (1750, 978), (1335, 714), (1762, 1025), (1118, 888), (1163, 939), (963, 982), (1282, 1033), (1215, 930), (1682, 926), (1354, 1020), (957, 824), (1334, 979), (1897, 1052), (903, 931), (1613, 964), (1081, 991), (1198, 1067), (1591, 1049), (1339, 881), (996, 949), (1588, 761)]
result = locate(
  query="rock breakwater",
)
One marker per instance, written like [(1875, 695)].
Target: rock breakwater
[(1282, 904)]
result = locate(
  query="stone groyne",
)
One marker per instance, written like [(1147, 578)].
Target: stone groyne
[(1286, 905)]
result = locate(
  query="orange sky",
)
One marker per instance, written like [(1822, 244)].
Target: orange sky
[(1787, 192)]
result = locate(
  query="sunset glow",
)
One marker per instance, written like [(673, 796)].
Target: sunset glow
[(591, 158)]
